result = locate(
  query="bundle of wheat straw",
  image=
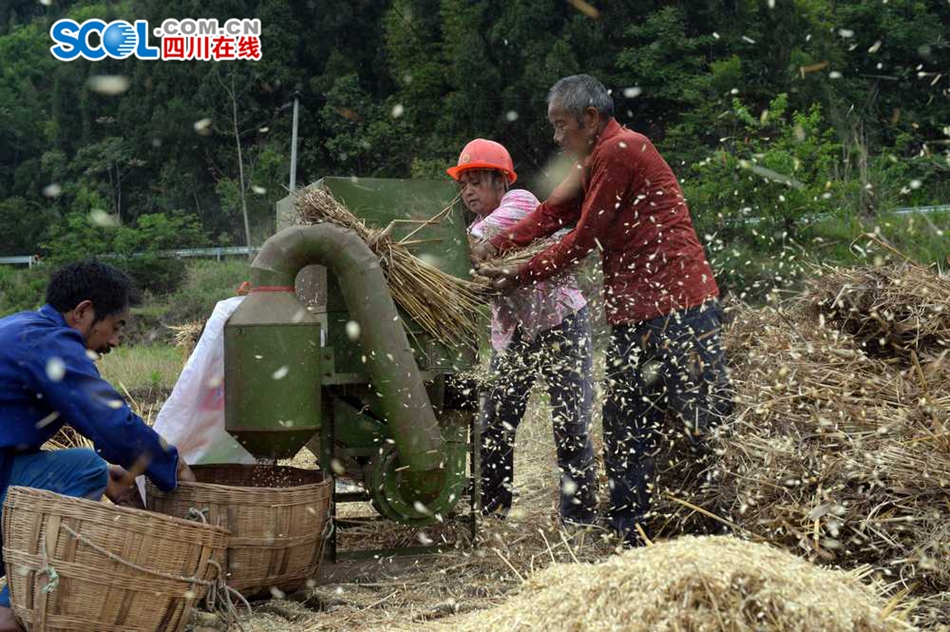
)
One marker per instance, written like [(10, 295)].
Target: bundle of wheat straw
[(447, 307), (522, 256), (514, 259), (186, 337)]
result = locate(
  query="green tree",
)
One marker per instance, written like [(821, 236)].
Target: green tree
[(24, 225), (776, 172), (112, 159)]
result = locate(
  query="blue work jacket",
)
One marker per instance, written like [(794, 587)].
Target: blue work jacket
[(48, 379)]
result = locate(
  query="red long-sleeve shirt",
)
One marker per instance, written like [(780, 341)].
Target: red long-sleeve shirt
[(628, 204)]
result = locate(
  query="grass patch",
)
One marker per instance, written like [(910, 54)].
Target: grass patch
[(206, 283), (22, 289), (142, 368), (750, 262), (149, 309)]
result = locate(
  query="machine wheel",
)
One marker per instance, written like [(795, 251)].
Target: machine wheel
[(383, 477)]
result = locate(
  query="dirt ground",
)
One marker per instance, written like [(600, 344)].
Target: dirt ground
[(400, 593)]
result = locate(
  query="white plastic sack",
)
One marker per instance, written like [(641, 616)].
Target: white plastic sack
[(192, 419)]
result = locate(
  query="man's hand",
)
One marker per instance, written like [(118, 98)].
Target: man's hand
[(121, 488), (184, 472), (8, 622), (483, 251), (503, 280)]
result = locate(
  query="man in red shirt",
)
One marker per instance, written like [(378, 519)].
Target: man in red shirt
[(659, 291)]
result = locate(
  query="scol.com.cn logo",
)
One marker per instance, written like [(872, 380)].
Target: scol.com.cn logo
[(202, 39)]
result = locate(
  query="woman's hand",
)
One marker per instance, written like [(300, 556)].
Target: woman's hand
[(483, 252), (503, 280)]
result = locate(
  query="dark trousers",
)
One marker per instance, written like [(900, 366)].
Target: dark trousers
[(673, 363), (562, 355)]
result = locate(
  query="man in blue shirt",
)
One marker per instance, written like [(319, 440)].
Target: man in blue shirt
[(48, 378)]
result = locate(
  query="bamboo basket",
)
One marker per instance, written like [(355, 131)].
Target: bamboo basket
[(75, 564), (277, 516)]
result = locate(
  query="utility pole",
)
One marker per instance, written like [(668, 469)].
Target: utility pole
[(242, 190), (293, 146)]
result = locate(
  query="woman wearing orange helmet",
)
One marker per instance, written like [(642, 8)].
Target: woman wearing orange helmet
[(542, 329)]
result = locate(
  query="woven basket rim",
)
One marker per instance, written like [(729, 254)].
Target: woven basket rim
[(41, 495), (325, 482)]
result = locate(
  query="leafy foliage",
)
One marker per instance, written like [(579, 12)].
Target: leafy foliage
[(777, 170), (137, 249), (205, 283), (395, 88)]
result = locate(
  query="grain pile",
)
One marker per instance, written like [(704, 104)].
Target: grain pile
[(706, 583), (447, 307), (839, 449)]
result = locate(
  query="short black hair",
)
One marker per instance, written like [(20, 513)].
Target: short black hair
[(579, 92), (111, 290)]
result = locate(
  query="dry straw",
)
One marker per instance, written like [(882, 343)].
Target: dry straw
[(700, 584), (186, 337), (892, 315), (514, 259), (447, 307), (839, 448), (522, 256)]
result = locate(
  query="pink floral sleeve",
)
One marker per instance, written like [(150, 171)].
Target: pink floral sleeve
[(535, 308)]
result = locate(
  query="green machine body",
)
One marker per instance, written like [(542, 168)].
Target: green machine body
[(272, 374), (376, 407)]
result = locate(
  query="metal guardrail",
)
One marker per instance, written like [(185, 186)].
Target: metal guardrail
[(907, 210), (209, 252), (817, 217), (18, 261), (217, 253)]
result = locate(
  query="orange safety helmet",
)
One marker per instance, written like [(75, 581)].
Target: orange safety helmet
[(484, 154)]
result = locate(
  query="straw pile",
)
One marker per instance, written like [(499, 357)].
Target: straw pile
[(67, 438), (837, 452), (447, 307), (707, 583), (903, 315)]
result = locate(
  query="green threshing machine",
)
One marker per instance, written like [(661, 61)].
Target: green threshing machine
[(352, 377)]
